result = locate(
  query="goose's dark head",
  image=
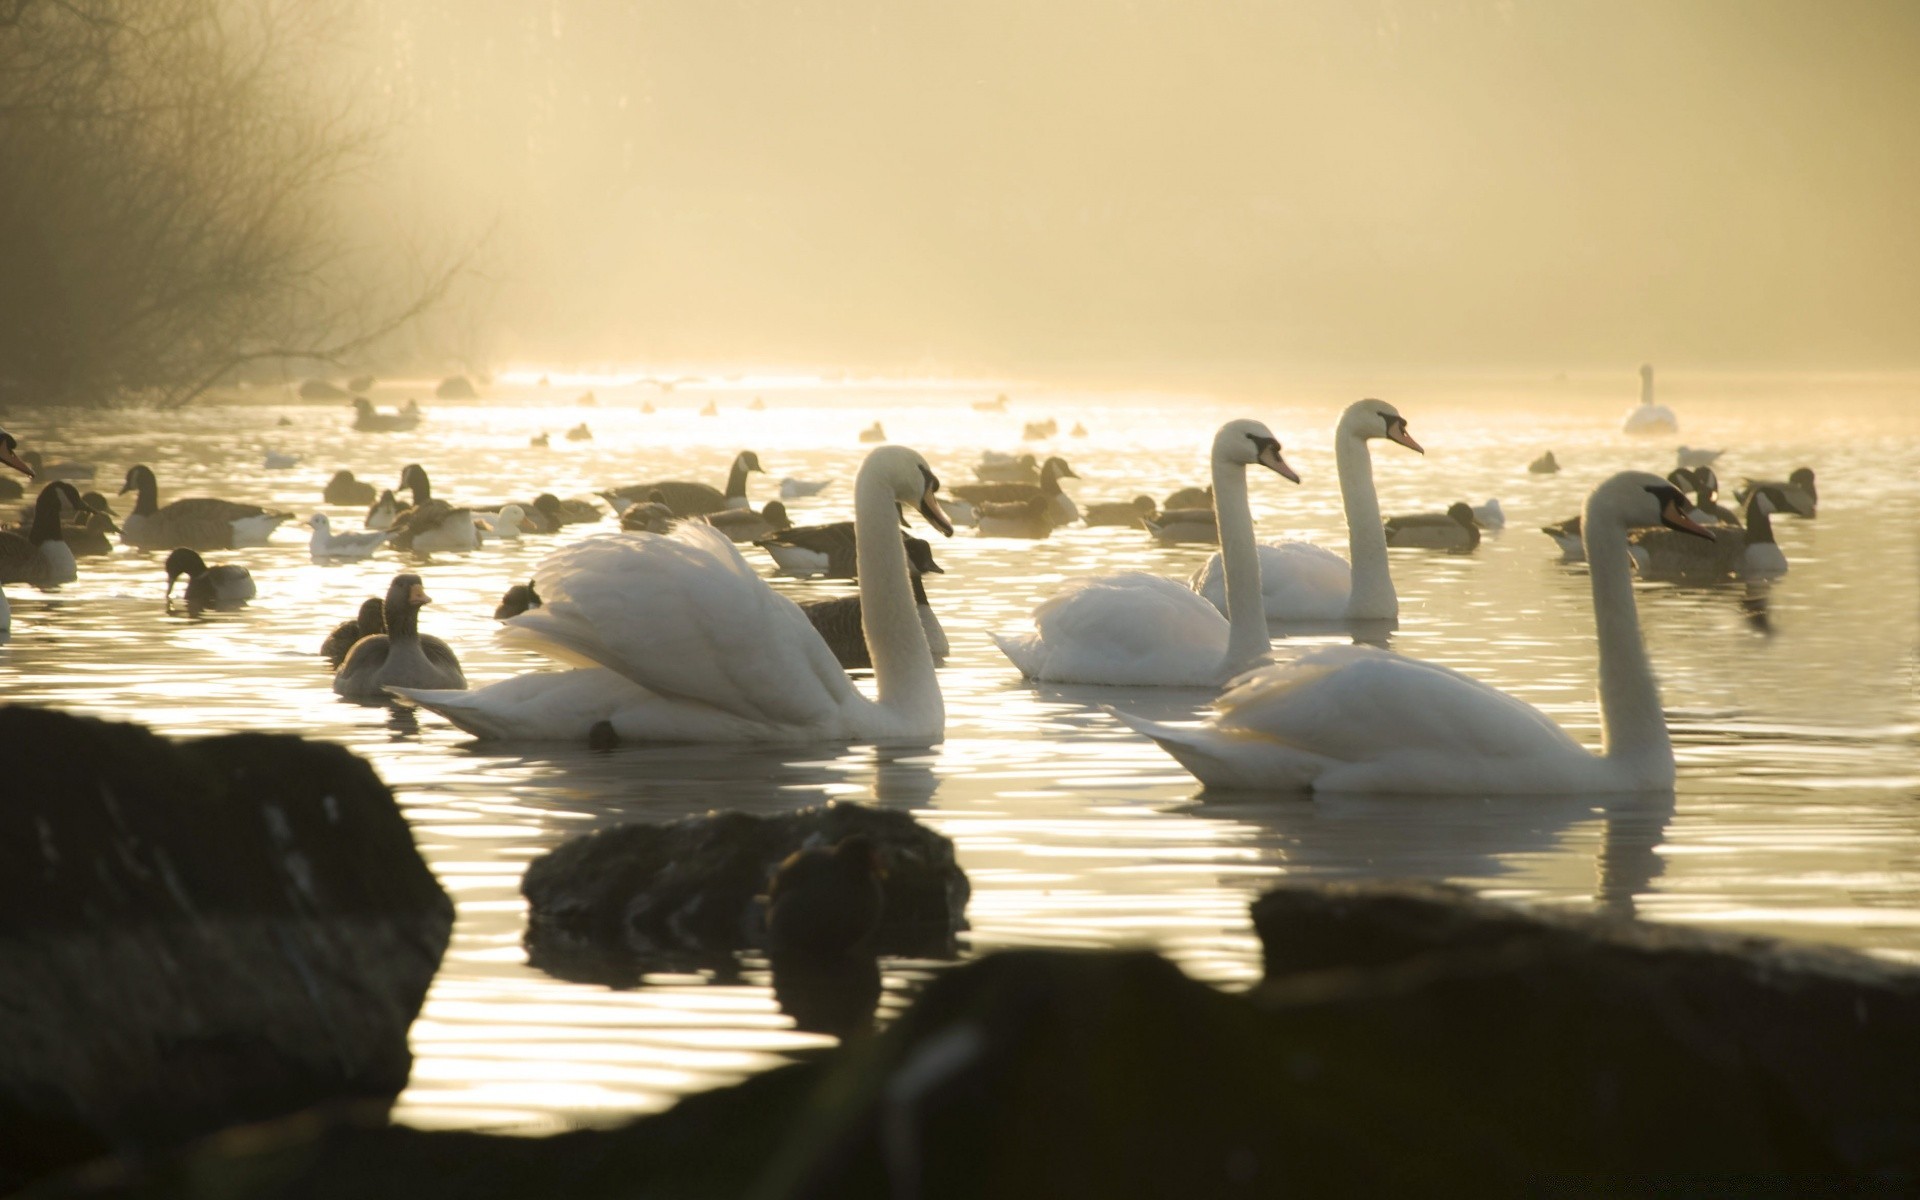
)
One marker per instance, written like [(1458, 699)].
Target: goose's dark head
[(1058, 468), (414, 476), (920, 557), (747, 460), (137, 477), (184, 561)]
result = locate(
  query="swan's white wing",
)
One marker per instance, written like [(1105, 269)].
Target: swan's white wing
[(1300, 581), (566, 705), (684, 616), (1129, 629)]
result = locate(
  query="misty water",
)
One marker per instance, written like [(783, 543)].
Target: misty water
[(1794, 709)]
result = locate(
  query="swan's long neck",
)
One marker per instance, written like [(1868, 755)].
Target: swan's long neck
[(1372, 597), (1646, 385), (1633, 730), (1246, 607), (896, 641)]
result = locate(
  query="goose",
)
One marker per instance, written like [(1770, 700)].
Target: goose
[(198, 523), (800, 489), (368, 419), (709, 409), (327, 546), (516, 600), (1137, 629), (1360, 719), (279, 461), (996, 467), (1016, 518), (959, 511), (693, 646), (428, 524), (371, 619), (1183, 526), (1705, 485), (343, 488), (557, 512), (381, 513), (1304, 582), (1648, 417), (218, 586), (50, 471), (1490, 515), (837, 619), (1060, 506), (1800, 497), (1546, 464), (580, 433), (805, 551), (1566, 535), (746, 525), (873, 433), (1128, 513), (1763, 558), (1453, 530), (89, 527), (402, 656), (689, 499), (39, 556), (1691, 456)]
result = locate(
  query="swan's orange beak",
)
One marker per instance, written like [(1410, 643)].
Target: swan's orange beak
[(1673, 518), (418, 596), (1398, 433), (1270, 458), (936, 517), (13, 460)]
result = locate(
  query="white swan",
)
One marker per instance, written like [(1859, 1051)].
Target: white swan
[(1136, 629), (1648, 417), (1303, 582), (1357, 719), (679, 640)]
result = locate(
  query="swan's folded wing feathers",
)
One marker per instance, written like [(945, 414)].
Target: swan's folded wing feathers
[(685, 616)]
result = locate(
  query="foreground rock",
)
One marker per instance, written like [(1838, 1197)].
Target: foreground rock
[(1540, 1057), (195, 935), (455, 387), (607, 906)]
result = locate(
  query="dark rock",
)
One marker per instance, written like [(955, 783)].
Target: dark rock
[(360, 384), (609, 904), (197, 934), (321, 389), (455, 387)]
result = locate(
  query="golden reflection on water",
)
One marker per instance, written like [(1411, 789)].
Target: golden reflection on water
[(1795, 727)]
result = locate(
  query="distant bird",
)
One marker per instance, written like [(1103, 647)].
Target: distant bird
[(278, 461), (997, 404), (1039, 431), (826, 903), (557, 512), (47, 472), (1183, 526), (89, 527), (39, 556), (1189, 497), (507, 523), (873, 433), (745, 525), (327, 546), (1060, 507), (372, 619), (1648, 417), (649, 516), (646, 406), (580, 433), (1798, 495), (1546, 464), (343, 488), (218, 586), (368, 419), (198, 523), (1490, 515), (800, 489), (710, 409), (1128, 513), (381, 513), (518, 599), (402, 656), (456, 387), (995, 467), (1030, 518), (587, 400), (758, 405), (1454, 529), (1688, 456), (1078, 430), (538, 441)]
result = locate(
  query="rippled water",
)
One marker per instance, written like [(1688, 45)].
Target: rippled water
[(1795, 713)]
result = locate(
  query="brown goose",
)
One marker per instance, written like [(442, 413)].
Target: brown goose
[(198, 523), (429, 524), (371, 619), (689, 499), (1454, 529), (839, 624), (400, 657)]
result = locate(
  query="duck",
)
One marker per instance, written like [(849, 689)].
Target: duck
[(997, 404), (327, 546), (1454, 530), (1305, 582), (381, 512), (693, 646), (587, 400), (873, 433), (277, 460), (1039, 431), (89, 528), (39, 555), (1060, 508), (1490, 515), (709, 409), (996, 467), (429, 524), (648, 516), (368, 419), (1189, 497), (1032, 518), (757, 405), (1546, 464), (557, 512), (1648, 417), (1183, 527), (371, 619), (690, 499), (538, 441), (1691, 456), (746, 525), (1137, 629), (837, 619), (402, 656), (198, 523), (343, 488), (1127, 513), (51, 471), (516, 600), (824, 903), (580, 433), (804, 551), (1359, 719), (1799, 495), (220, 586), (1078, 430), (800, 489)]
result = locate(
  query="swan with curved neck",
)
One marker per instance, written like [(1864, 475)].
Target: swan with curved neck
[(677, 639), (1137, 629), (1303, 582), (1357, 719)]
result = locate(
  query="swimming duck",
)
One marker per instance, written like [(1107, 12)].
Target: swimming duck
[(745, 525), (837, 619), (1454, 529), (1127, 513), (218, 586), (873, 433), (368, 419), (1546, 464), (429, 524), (343, 488), (518, 599), (690, 499)]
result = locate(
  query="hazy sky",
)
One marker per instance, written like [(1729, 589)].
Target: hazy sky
[(1062, 186)]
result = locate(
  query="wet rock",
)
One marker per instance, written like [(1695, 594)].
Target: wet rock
[(321, 389), (610, 904), (197, 934), (455, 387)]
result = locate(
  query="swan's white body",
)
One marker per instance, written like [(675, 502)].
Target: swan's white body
[(679, 640), (1303, 582), (327, 546), (1141, 630), (1358, 719), (1648, 417)]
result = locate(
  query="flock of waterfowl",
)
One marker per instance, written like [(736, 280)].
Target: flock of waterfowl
[(668, 633)]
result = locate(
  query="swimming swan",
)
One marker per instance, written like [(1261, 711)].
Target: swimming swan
[(1303, 582), (680, 640), (1137, 629), (1357, 719)]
